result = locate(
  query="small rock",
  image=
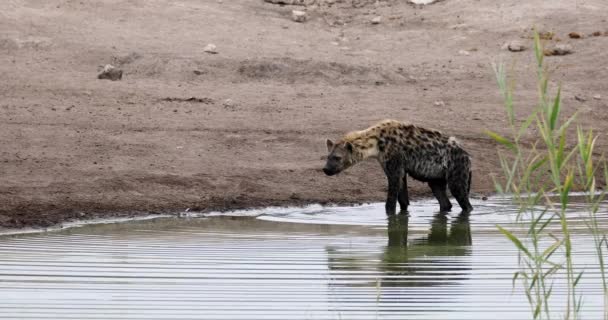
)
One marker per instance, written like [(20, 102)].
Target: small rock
[(597, 97), (580, 98), (464, 53), (574, 35), (298, 16), (376, 20), (439, 103), (546, 35), (229, 104), (596, 33), (210, 48), (422, 2), (287, 2), (109, 72), (560, 49), (514, 46)]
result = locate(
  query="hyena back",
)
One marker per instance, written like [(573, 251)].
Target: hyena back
[(404, 149)]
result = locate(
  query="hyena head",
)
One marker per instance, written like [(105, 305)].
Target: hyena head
[(340, 157)]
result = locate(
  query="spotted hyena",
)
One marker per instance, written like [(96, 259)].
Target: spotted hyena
[(404, 149)]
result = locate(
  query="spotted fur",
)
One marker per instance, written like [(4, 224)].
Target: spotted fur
[(405, 149)]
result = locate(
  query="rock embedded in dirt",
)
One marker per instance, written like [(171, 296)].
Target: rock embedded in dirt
[(423, 2), (597, 33), (376, 20), (439, 103), (546, 35), (464, 52), (560, 49), (580, 98), (109, 72), (289, 2), (299, 16), (597, 97), (210, 48), (514, 46), (191, 99), (574, 35), (229, 104)]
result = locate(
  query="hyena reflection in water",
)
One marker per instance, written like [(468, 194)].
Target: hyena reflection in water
[(424, 261), (404, 149)]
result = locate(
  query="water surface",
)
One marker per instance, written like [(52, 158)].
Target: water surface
[(306, 263)]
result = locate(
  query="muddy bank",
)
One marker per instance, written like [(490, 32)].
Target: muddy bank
[(245, 127)]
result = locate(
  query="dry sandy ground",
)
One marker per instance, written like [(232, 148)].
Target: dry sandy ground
[(73, 146)]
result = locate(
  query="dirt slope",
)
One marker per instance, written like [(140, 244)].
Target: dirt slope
[(73, 146)]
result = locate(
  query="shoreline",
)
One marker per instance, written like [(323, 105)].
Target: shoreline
[(119, 217)]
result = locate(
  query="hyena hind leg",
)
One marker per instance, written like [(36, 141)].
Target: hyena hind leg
[(458, 183), (439, 188)]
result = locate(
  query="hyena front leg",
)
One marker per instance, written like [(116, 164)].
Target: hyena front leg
[(404, 200), (394, 173)]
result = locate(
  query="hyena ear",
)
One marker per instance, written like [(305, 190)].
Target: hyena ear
[(330, 145), (349, 147)]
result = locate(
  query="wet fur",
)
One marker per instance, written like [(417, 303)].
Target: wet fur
[(404, 149)]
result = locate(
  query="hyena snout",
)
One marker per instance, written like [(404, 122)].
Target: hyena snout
[(329, 171)]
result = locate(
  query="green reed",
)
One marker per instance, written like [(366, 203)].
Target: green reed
[(540, 171)]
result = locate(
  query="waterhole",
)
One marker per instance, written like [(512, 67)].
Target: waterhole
[(297, 263)]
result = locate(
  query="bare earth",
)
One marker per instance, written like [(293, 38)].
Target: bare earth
[(73, 146)]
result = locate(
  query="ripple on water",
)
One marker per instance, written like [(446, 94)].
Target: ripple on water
[(311, 263)]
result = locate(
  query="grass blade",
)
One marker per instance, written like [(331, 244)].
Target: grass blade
[(556, 108), (515, 241), (500, 139)]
